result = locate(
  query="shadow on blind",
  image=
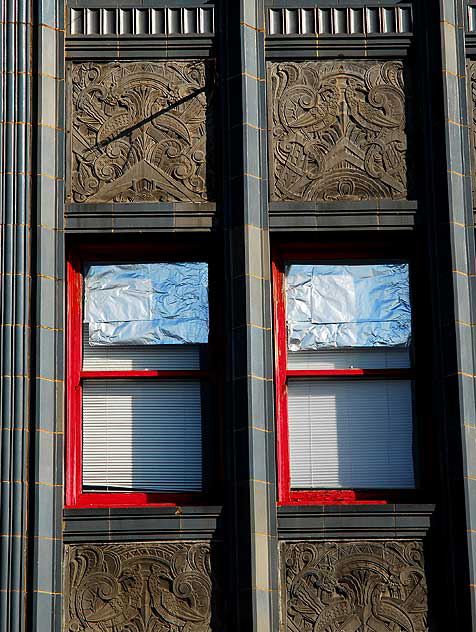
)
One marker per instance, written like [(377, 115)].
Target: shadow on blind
[(350, 434), (142, 435)]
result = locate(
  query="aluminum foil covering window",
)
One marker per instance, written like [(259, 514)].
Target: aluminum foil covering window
[(147, 303), (340, 306)]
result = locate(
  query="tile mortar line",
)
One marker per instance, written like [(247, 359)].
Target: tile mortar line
[(453, 74)]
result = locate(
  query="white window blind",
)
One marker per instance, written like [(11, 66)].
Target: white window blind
[(141, 357), (376, 358), (350, 433), (142, 435)]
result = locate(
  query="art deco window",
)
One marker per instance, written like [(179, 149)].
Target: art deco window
[(344, 386), (138, 379)]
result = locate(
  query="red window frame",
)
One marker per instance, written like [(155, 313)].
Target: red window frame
[(324, 252), (75, 497)]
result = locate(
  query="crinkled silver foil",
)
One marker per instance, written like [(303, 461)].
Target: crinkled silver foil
[(339, 306), (147, 303)]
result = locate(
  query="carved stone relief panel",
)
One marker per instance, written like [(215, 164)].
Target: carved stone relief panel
[(358, 586), (156, 587), (141, 132), (472, 101), (338, 130)]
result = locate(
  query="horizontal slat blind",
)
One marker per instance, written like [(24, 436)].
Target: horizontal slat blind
[(142, 435), (374, 358), (140, 357), (346, 434)]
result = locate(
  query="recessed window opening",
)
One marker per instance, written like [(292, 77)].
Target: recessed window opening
[(141, 380), (345, 384)]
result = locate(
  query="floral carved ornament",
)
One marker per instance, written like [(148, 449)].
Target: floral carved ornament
[(139, 132), (162, 587), (472, 90), (337, 130), (359, 586)]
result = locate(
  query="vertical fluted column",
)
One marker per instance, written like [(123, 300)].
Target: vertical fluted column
[(15, 183), (47, 402), (449, 226), (252, 531), (460, 371)]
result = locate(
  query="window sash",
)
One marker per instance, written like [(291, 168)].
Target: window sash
[(195, 363), (377, 358), (142, 435), (142, 357), (338, 441), (384, 366)]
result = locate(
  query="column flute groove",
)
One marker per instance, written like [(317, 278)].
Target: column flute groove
[(15, 189)]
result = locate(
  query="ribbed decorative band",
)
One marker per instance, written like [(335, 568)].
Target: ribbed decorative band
[(471, 19), (142, 21), (15, 167), (341, 21)]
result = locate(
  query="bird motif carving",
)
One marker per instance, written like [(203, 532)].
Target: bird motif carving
[(338, 130), (164, 587), (313, 111), (358, 586), (141, 131), (380, 108)]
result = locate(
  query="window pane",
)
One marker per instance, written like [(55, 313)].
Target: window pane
[(142, 357), (342, 306), (376, 358), (147, 303), (142, 435), (350, 434)]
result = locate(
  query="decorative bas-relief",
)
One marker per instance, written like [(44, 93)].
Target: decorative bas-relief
[(472, 89), (140, 132), (359, 586), (158, 587), (337, 130)]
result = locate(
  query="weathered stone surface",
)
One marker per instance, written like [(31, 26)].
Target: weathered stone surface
[(337, 130), (157, 587), (141, 132), (358, 586)]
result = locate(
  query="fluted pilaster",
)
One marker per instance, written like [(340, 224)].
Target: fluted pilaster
[(15, 306)]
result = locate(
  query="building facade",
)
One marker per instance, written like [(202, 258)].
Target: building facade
[(245, 137)]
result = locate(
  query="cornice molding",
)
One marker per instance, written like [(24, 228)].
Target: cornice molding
[(140, 21), (338, 20)]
